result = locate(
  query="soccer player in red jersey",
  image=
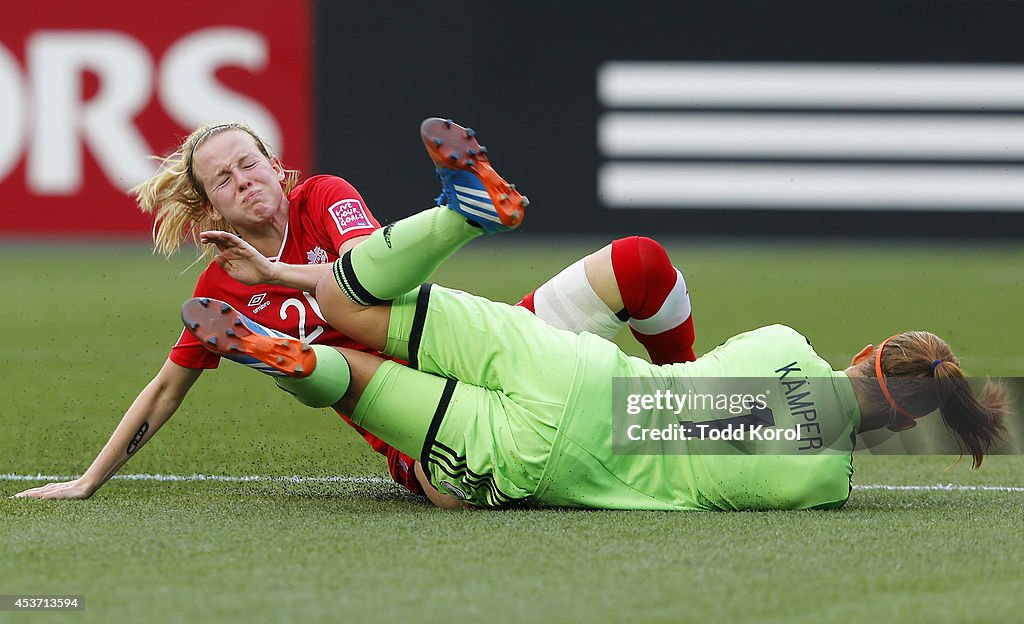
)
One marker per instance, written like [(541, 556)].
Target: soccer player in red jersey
[(225, 177)]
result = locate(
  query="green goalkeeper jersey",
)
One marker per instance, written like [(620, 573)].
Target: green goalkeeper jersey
[(534, 419), (788, 445)]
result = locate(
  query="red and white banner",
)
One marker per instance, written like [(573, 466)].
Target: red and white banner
[(89, 91)]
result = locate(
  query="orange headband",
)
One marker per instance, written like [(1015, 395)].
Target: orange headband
[(888, 397)]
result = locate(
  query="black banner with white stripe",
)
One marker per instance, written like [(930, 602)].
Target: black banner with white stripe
[(812, 136), (783, 118)]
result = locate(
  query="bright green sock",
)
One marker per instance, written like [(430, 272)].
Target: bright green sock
[(325, 385), (403, 255)]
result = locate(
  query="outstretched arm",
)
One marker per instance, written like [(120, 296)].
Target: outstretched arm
[(151, 409), (242, 262)]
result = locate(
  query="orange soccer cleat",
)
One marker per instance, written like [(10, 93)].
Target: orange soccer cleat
[(226, 332), (470, 185)]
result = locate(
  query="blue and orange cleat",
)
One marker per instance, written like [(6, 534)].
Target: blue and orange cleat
[(228, 333), (470, 186)]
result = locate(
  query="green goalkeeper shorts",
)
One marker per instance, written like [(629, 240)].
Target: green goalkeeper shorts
[(486, 439)]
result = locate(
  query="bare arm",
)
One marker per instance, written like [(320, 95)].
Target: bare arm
[(151, 409), (242, 262)]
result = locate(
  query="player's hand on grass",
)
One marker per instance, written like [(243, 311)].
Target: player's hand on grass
[(238, 258), (76, 489)]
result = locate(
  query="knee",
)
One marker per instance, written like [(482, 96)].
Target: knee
[(645, 254), (644, 272), (653, 256)]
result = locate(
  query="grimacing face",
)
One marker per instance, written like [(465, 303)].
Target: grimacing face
[(242, 185)]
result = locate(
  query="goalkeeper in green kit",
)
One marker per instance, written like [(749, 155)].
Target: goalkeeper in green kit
[(503, 409)]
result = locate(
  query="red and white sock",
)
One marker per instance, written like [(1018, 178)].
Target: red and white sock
[(653, 291), (656, 299)]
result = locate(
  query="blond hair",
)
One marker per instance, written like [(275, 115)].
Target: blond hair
[(177, 200), (978, 422)]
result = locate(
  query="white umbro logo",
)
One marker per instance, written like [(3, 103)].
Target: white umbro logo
[(257, 299)]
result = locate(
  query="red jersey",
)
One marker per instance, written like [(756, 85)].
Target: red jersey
[(323, 213)]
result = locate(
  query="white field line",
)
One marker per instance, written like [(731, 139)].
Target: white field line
[(938, 487)]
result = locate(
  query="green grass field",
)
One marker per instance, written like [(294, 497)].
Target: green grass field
[(85, 328)]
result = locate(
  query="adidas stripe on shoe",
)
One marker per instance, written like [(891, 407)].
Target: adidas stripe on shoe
[(470, 185)]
